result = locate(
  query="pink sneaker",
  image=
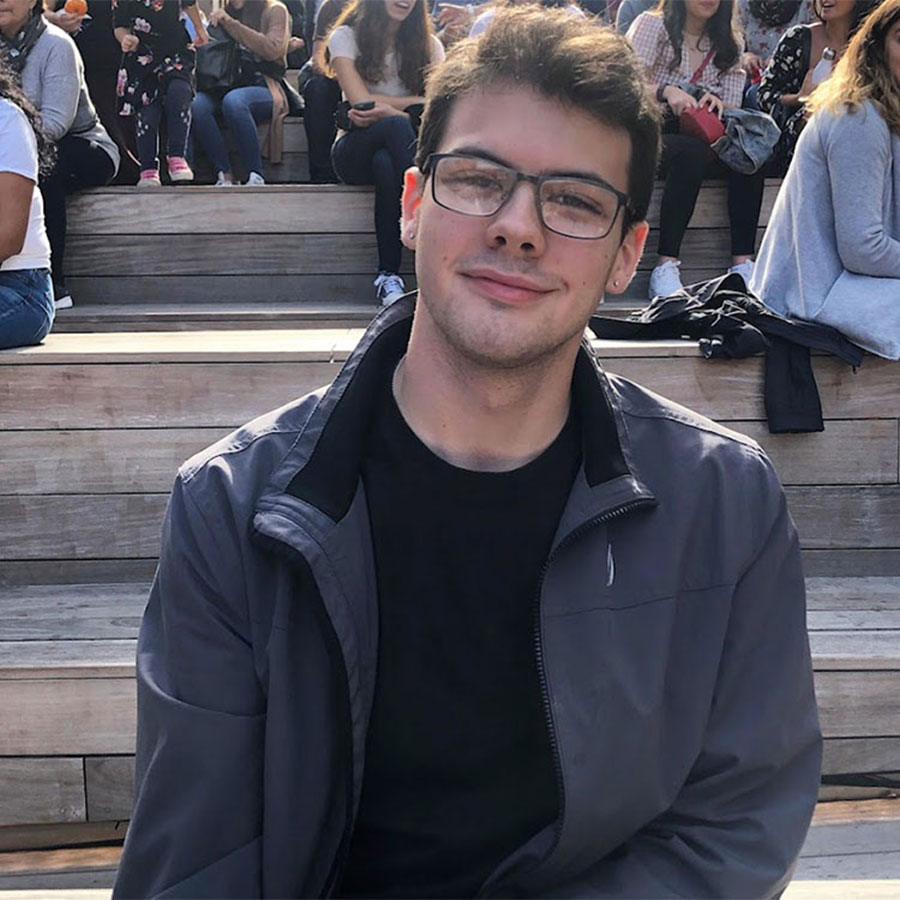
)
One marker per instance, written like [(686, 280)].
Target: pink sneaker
[(179, 170), (149, 178)]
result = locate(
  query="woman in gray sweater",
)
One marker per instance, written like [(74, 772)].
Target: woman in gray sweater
[(831, 253), (52, 75)]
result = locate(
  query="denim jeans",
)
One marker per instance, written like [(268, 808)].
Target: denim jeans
[(26, 306), (379, 155), (242, 109)]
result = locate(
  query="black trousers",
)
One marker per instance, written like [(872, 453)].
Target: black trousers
[(685, 162), (321, 96), (79, 164)]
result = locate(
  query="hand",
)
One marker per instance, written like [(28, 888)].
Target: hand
[(69, 23), (363, 118), (678, 99), (295, 43), (453, 15), (751, 61), (202, 37), (713, 103), (219, 17), (130, 43)]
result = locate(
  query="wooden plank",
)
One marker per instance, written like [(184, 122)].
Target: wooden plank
[(858, 704), (854, 828), (851, 866), (83, 526), (855, 620), (59, 835), (844, 755), (858, 451), (148, 395), (41, 790), (17, 573), (203, 254), (75, 717), (859, 593), (68, 860), (72, 612), (856, 650), (851, 563), (88, 884), (67, 660), (840, 889), (109, 786), (119, 461), (846, 517), (223, 289)]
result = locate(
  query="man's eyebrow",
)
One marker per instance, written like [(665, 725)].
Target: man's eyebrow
[(481, 153)]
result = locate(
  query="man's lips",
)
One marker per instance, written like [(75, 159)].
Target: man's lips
[(506, 286)]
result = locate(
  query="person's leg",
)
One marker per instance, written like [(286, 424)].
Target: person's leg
[(745, 193), (243, 109), (26, 307), (206, 133), (321, 96), (177, 104), (684, 162), (147, 135)]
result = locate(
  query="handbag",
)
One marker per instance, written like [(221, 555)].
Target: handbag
[(218, 63), (700, 122)]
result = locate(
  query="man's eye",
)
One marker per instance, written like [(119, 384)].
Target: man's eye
[(576, 202), (478, 181)]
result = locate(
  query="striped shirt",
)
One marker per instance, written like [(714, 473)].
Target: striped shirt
[(651, 43)]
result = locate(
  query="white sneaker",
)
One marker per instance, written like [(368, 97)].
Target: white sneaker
[(665, 279), (63, 302), (744, 269), (222, 180), (389, 288), (255, 179)]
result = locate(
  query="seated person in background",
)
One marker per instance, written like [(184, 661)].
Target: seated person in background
[(158, 75), (789, 78), (321, 96), (26, 291), (683, 41), (763, 22), (52, 76), (263, 29), (629, 10), (831, 252), (480, 619), (102, 58), (485, 19), (379, 51)]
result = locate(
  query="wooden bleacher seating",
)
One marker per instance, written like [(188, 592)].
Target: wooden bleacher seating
[(94, 425)]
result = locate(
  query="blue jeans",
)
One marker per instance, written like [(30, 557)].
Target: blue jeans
[(26, 307), (242, 109)]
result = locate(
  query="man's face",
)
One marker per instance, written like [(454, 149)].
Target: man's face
[(503, 291)]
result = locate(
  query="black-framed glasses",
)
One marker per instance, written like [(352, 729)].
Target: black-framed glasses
[(582, 208)]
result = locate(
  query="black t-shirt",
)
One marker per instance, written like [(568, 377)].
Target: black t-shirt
[(459, 768)]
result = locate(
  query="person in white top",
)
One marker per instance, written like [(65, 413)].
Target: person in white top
[(379, 51), (26, 290)]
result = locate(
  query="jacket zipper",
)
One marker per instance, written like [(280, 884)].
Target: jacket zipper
[(539, 655)]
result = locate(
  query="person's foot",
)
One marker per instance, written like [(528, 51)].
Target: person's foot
[(389, 287), (744, 269), (179, 170), (223, 179), (255, 179), (665, 279), (149, 178), (62, 299)]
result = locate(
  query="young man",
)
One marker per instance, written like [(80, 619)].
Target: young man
[(479, 619)]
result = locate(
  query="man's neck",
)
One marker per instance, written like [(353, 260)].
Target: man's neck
[(482, 419)]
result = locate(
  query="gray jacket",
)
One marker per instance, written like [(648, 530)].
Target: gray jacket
[(671, 645)]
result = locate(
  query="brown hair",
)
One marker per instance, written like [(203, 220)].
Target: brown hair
[(863, 72), (369, 21), (582, 65)]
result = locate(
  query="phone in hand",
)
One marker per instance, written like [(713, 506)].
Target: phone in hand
[(364, 105)]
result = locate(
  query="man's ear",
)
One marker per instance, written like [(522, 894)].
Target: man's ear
[(410, 204), (627, 258)]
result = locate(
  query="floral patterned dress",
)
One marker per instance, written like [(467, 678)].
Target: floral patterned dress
[(164, 51)]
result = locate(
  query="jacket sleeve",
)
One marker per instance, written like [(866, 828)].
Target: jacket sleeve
[(270, 44), (738, 823), (196, 824), (859, 154), (61, 82)]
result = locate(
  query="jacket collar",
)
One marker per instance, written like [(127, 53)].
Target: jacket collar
[(322, 468)]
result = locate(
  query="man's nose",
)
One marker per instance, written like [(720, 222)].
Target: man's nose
[(517, 224)]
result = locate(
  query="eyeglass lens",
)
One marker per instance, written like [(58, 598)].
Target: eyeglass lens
[(478, 187)]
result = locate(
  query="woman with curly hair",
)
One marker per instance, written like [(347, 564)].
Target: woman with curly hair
[(692, 53), (378, 51), (831, 252), (26, 290)]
